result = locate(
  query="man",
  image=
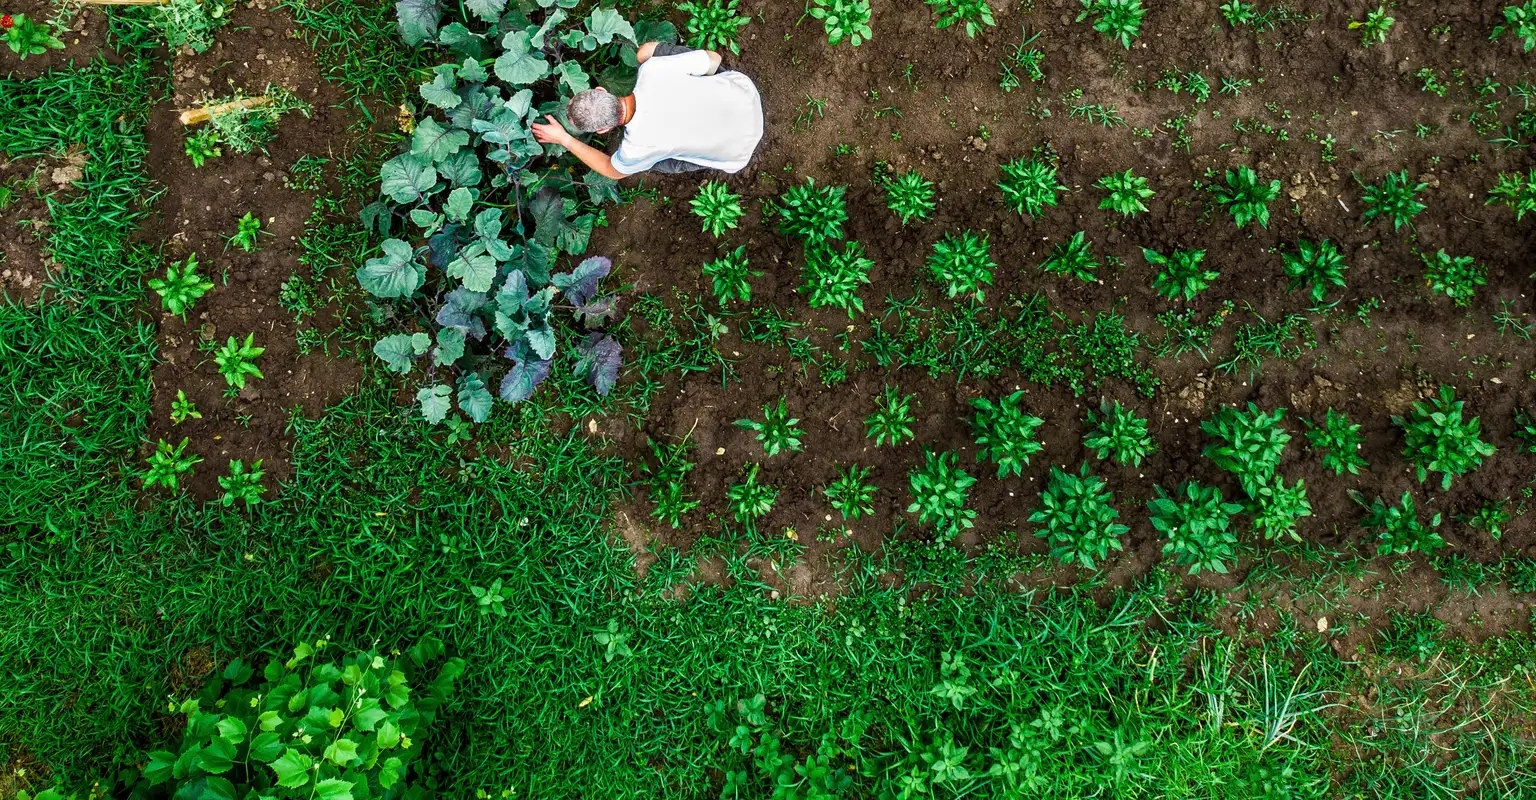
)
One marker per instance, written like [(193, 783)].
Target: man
[(682, 117)]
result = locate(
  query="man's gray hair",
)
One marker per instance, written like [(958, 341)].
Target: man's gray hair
[(592, 111)]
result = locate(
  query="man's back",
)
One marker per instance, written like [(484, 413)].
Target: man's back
[(680, 112)]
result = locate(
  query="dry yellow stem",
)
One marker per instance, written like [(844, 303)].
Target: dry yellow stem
[(197, 116)]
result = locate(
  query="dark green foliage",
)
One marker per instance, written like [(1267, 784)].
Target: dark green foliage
[(167, 465), (1436, 438), (667, 480), (1180, 274), (202, 145), (1489, 517), (1120, 20), (1077, 518), (247, 230), (833, 277), (777, 432), (1516, 191), (1029, 186), (962, 263), (974, 13), (749, 500), (1127, 192), (1278, 508), (1005, 433), (237, 360), (1196, 523), (714, 24), (1521, 21), (242, 484), (939, 489), (718, 207), (1247, 444), (1073, 257), (1246, 198), (1525, 430), (731, 276), (893, 419), (1373, 29), (851, 495), (1456, 277), (1394, 199), (183, 409), (27, 37), (1319, 266), (910, 197), (1398, 527), (843, 19), (1338, 441), (181, 286), (813, 213), (1120, 433)]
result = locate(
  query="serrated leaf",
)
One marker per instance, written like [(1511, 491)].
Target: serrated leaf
[(292, 769), (513, 294), (389, 772), (606, 23), (459, 310), (435, 402), (431, 140), (341, 752), (521, 102), (440, 91), (601, 189), (474, 399), (231, 730), (475, 268), (417, 20), (161, 767), (389, 735), (333, 789), (460, 202), (599, 362), (554, 228), (487, 10), (523, 379), (517, 65), (407, 178), (377, 217), (542, 341), (218, 757), (580, 285), (594, 314), (450, 346), (397, 273), (266, 746)]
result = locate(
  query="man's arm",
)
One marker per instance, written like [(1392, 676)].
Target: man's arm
[(552, 132), (648, 50)]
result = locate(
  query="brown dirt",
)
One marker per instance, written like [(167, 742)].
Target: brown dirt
[(24, 221), (84, 37), (1314, 78)]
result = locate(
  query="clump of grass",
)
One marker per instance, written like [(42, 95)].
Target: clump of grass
[(1438, 438), (1197, 524), (1338, 441), (1395, 198), (1180, 274), (1319, 266), (962, 263), (1077, 518), (1118, 432), (910, 197), (1127, 191), (1029, 186), (1456, 277), (731, 276), (247, 128), (1246, 198), (1073, 257)]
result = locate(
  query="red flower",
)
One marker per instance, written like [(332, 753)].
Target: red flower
[(6, 23)]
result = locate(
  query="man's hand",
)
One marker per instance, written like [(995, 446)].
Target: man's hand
[(552, 132)]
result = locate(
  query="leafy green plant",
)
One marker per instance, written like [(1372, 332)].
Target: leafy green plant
[(1456, 277), (25, 37), (1489, 517), (667, 482), (1120, 20), (202, 145), (246, 126), (778, 431), (248, 228), (1438, 438), (1126, 192), (1077, 518), (1247, 444), (974, 13), (893, 418), (1395, 198), (1525, 430), (1029, 186), (237, 360), (1180, 274), (1319, 266), (181, 287), (490, 599), (1197, 524), (718, 207), (731, 276), (1245, 198), (910, 197), (813, 213), (1516, 191), (833, 277), (844, 19), (1521, 21), (1005, 433), (1398, 528), (851, 495), (1373, 29), (1278, 508), (242, 484), (751, 501), (1338, 441), (1073, 257), (962, 263), (1118, 432), (189, 23), (714, 24), (1238, 13), (939, 489), (358, 726), (168, 464), (183, 409)]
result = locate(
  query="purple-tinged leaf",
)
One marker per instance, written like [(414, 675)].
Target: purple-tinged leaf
[(460, 309), (599, 363), (445, 245), (580, 285), (594, 314), (523, 379)]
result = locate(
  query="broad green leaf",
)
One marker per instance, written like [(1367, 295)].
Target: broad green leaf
[(600, 356), (475, 268), (474, 399), (521, 102), (460, 202), (217, 789), (232, 730), (341, 752), (269, 720), (580, 285), (440, 91), (266, 746), (472, 72), (161, 767), (389, 772), (488, 223), (218, 757), (407, 178), (523, 379), (395, 274), (450, 346), (431, 140), (488, 10), (389, 734), (517, 65), (542, 340), (418, 20), (574, 77), (370, 714), (533, 259), (292, 769), (455, 35), (504, 127), (463, 169), (555, 18), (333, 789), (397, 351), (435, 402), (606, 23), (513, 294)]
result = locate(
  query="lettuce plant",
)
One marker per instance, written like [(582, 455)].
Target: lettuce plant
[(1118, 432), (813, 213), (1073, 257), (731, 276), (1180, 274), (833, 277), (1029, 186), (1438, 438), (243, 484), (167, 465), (910, 197), (1005, 433), (1197, 524), (1246, 198), (1395, 198), (1319, 266), (1338, 441), (718, 207), (1077, 518), (893, 419), (777, 432), (181, 286), (851, 495), (962, 263), (939, 489), (1456, 277), (1398, 528), (1126, 192)]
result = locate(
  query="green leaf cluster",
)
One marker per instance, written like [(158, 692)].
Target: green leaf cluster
[(851, 494), (1247, 444), (1197, 524), (1395, 198), (939, 491), (813, 213), (1516, 191), (1246, 198), (237, 360), (168, 465), (1126, 192), (1078, 518), (1338, 441), (750, 500), (1073, 257), (1438, 438), (1029, 186), (181, 286), (893, 418), (973, 13), (667, 481), (719, 208), (1118, 432), (1180, 274), (1278, 508), (1005, 433), (777, 432), (833, 277), (843, 19), (1319, 266), (714, 24), (1456, 277), (910, 197), (1398, 528), (1120, 20), (1519, 19), (961, 263), (731, 276), (243, 484)]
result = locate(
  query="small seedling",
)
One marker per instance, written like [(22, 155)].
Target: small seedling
[(1277, 508), (1373, 29), (718, 207), (1073, 257), (893, 418), (181, 286), (1029, 187), (910, 197), (1489, 517), (1319, 266), (1521, 21), (1120, 20), (1197, 524), (833, 277), (731, 276), (668, 482), (1246, 198), (1120, 433), (751, 501), (1395, 199), (1436, 438), (203, 145), (1126, 192), (1005, 433), (1338, 441), (939, 490), (962, 263), (1516, 191), (1398, 528), (714, 24), (1181, 274), (1078, 518), (778, 431), (167, 465), (1525, 430), (489, 599), (851, 495), (1456, 277), (844, 19), (183, 409), (813, 213), (974, 13), (245, 235), (242, 484), (237, 360)]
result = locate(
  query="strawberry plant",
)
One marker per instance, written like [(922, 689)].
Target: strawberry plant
[(1180, 274), (242, 484), (1525, 430), (202, 145), (1248, 445), (1197, 524), (910, 197), (1437, 438), (1120, 20), (1005, 433), (851, 495), (939, 489), (667, 481), (714, 24), (973, 13), (1120, 433), (1277, 508), (749, 500), (1247, 199), (168, 464), (777, 432), (1126, 192), (1456, 277), (1319, 266), (813, 213), (718, 207), (25, 37), (1373, 29), (1073, 257), (183, 409), (1398, 528), (1515, 191), (1338, 441), (893, 419), (248, 228), (731, 276), (1029, 186), (843, 19), (237, 360), (1077, 518), (1395, 198), (181, 286), (1521, 21), (962, 263), (304, 727), (833, 277)]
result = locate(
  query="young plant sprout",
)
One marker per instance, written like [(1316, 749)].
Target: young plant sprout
[(1120, 20), (242, 484), (718, 207), (1029, 186), (1338, 441), (1490, 518), (1394, 199), (813, 213), (1073, 257), (749, 500), (1005, 433), (1278, 509), (1246, 198), (893, 419), (939, 490), (25, 37), (203, 145), (1515, 191), (1120, 433), (1077, 518), (1456, 277), (1525, 430), (844, 19), (1180, 274), (732, 277), (1398, 529), (1373, 29), (833, 277), (973, 13), (1318, 266), (962, 263), (714, 24), (183, 409), (851, 495), (668, 482), (245, 235), (1521, 21), (237, 361), (1197, 524), (1437, 438), (181, 286), (910, 197), (1126, 192), (167, 465), (777, 432)]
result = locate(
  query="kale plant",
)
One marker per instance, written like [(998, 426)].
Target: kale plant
[(778, 431), (1398, 528), (974, 13), (714, 24), (962, 263), (731, 276), (813, 213), (1005, 433), (843, 19), (1338, 441), (833, 277), (1437, 438), (1029, 186), (1248, 445), (1180, 274), (1073, 257), (242, 484), (939, 489), (1516, 191), (1521, 21), (1246, 198), (751, 501), (1126, 192), (1077, 518), (910, 197), (1278, 508), (1319, 266), (1120, 433), (1120, 20), (851, 495), (1197, 524), (167, 465), (1456, 277), (718, 207), (181, 286), (893, 418), (237, 360), (1394, 199)]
